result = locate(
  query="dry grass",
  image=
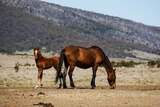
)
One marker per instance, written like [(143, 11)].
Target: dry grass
[(135, 86), (27, 73)]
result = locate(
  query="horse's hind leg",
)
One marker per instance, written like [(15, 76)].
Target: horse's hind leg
[(70, 76), (64, 78), (61, 79)]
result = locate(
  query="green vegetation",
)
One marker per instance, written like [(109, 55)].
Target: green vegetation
[(158, 65), (125, 64), (133, 64), (27, 64), (154, 64), (16, 67)]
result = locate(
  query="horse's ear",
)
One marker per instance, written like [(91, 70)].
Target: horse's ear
[(36, 49)]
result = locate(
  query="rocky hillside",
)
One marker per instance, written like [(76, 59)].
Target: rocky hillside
[(32, 23)]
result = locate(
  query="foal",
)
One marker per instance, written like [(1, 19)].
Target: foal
[(45, 63)]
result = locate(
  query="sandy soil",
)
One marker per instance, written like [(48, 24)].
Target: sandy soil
[(138, 86)]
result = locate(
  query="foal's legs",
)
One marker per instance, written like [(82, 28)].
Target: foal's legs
[(40, 74), (94, 70), (70, 76)]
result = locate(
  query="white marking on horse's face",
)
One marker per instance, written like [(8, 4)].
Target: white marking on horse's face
[(36, 53)]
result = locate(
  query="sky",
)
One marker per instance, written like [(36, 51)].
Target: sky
[(143, 11)]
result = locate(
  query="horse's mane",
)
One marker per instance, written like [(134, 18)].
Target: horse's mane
[(109, 63), (40, 55), (94, 47), (106, 58)]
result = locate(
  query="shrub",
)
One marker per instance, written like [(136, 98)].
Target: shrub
[(152, 63), (27, 64), (124, 64), (113, 63), (16, 67), (158, 64)]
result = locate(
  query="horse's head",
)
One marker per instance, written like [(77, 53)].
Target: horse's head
[(36, 52), (112, 78)]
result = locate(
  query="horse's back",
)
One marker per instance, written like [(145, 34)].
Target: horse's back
[(76, 51), (84, 57), (93, 51), (56, 58), (55, 61), (69, 50)]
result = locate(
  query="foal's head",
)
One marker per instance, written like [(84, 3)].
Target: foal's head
[(36, 53), (112, 78)]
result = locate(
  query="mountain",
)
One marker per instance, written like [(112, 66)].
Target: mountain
[(31, 23)]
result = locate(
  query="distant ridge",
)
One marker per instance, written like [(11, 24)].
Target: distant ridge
[(32, 23)]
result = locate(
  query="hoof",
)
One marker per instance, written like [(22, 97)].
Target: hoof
[(59, 87), (36, 86), (73, 87), (93, 87), (64, 87), (112, 87), (41, 85)]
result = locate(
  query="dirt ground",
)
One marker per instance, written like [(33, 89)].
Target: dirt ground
[(138, 86)]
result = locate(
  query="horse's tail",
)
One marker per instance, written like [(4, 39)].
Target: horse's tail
[(60, 65)]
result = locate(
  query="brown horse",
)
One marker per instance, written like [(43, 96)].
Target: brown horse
[(85, 58), (45, 63)]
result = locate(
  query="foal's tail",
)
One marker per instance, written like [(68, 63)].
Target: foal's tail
[(60, 65)]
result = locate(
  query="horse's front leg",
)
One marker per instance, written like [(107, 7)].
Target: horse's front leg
[(94, 70), (40, 75)]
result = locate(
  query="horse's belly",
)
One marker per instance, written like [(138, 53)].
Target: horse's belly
[(84, 65)]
